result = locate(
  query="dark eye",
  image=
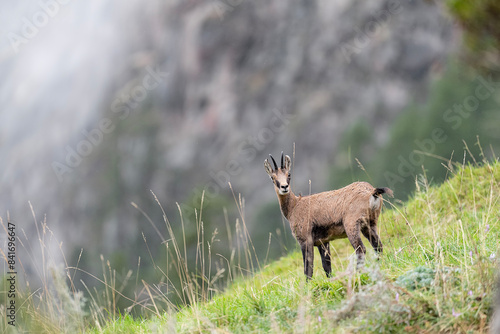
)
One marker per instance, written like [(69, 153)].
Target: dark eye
[(289, 176)]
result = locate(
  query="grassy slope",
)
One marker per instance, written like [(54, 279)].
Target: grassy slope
[(436, 275)]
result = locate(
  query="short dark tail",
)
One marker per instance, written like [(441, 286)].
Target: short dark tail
[(385, 190)]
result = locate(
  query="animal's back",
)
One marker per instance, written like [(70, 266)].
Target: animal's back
[(329, 208), (340, 200)]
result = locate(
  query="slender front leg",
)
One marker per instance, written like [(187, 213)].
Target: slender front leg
[(354, 236), (324, 252), (308, 258)]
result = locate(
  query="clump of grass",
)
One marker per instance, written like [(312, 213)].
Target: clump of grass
[(69, 306), (51, 303), (48, 303), (418, 278), (375, 307), (210, 273)]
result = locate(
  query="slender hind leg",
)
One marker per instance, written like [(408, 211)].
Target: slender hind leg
[(370, 233), (324, 252)]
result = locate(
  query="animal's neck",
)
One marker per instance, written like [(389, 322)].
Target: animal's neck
[(287, 203)]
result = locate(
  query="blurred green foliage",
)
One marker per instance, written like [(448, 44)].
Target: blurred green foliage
[(271, 232), (460, 120), (479, 20)]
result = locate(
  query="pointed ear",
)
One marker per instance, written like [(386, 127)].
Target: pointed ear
[(268, 168), (288, 162)]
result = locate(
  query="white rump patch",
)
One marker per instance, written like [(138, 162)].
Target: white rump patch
[(375, 202)]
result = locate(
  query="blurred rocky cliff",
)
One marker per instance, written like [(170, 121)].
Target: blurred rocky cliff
[(109, 100)]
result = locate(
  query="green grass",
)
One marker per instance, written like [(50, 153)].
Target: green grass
[(437, 275)]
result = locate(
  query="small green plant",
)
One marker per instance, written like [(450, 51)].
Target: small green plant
[(418, 278)]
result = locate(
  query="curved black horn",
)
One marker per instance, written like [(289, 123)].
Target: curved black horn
[(274, 162), (282, 162)]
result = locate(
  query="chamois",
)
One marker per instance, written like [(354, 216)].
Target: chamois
[(317, 219)]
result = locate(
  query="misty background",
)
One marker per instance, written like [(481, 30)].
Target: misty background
[(105, 102)]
